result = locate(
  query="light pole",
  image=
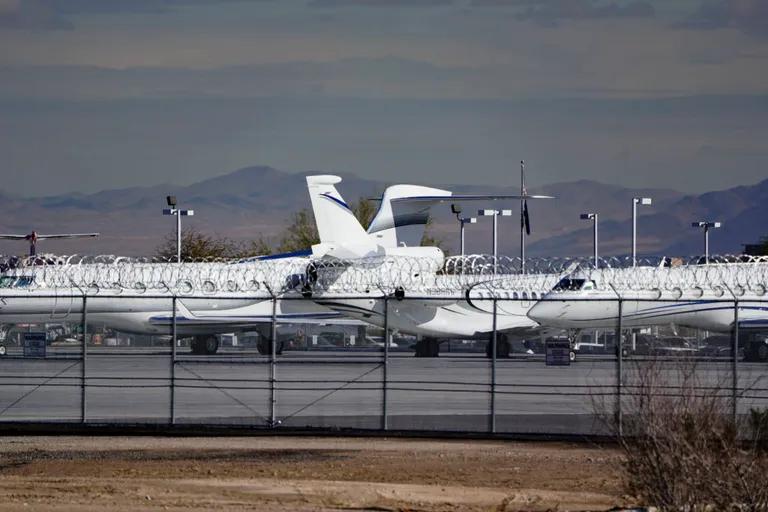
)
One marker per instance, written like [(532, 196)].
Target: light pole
[(178, 213), (706, 225), (462, 220), (645, 201), (593, 217), (495, 214)]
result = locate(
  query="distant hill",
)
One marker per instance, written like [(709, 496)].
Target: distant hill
[(258, 201)]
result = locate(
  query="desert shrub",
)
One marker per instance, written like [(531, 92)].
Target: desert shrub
[(682, 449)]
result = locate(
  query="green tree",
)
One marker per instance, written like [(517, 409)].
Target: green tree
[(428, 240), (300, 234), (764, 245), (364, 210)]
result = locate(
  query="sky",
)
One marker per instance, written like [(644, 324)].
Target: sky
[(102, 94)]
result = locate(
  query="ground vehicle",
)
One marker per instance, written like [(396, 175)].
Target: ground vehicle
[(716, 346), (674, 346)]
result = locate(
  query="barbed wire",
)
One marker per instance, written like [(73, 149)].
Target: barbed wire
[(479, 274)]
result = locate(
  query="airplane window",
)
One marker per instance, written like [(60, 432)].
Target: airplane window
[(7, 281), (569, 284)]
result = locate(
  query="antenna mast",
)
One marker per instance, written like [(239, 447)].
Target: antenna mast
[(522, 216)]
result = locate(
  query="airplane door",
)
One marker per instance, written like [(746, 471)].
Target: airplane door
[(62, 303)]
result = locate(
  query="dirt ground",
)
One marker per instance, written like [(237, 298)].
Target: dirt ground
[(303, 473)]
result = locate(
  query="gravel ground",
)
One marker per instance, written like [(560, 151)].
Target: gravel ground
[(304, 473)]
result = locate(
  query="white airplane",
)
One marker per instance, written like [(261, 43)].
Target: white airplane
[(49, 293), (33, 238), (54, 294), (397, 230), (706, 301)]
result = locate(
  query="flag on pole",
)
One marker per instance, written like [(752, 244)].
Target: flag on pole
[(526, 220)]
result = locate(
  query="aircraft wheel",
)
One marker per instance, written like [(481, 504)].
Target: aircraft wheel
[(210, 345), (264, 347), (2, 350), (503, 347), (433, 347), (427, 347), (761, 352), (572, 356)]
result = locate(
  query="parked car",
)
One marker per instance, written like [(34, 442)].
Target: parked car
[(716, 346), (674, 346)]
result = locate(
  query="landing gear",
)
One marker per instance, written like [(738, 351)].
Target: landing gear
[(204, 345), (503, 347), (762, 352), (572, 356), (428, 347), (756, 351), (264, 346)]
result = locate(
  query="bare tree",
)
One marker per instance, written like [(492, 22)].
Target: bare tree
[(682, 449), (197, 246)]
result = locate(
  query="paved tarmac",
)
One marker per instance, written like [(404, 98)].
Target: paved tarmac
[(327, 389)]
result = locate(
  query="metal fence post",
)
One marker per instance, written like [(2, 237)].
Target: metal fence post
[(84, 358), (174, 342), (272, 367), (735, 360), (385, 376), (492, 426), (619, 370)]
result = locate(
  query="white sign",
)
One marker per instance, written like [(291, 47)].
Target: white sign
[(34, 344)]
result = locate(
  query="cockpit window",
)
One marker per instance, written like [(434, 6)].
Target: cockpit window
[(7, 281), (567, 284)]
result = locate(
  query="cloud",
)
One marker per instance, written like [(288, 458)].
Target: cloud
[(380, 3), (123, 6), (54, 14), (551, 12), (358, 77), (749, 16), (31, 15)]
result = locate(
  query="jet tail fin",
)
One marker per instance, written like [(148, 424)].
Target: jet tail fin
[(336, 223)]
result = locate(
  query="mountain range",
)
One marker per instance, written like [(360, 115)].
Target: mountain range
[(258, 202)]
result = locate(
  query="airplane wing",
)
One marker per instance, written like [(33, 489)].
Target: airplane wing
[(13, 237), (464, 197), (67, 235), (231, 318)]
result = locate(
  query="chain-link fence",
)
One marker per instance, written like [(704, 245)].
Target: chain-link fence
[(466, 344), (373, 359)]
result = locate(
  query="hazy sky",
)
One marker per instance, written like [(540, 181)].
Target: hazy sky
[(99, 94)]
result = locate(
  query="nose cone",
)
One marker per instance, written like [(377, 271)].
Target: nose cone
[(547, 313)]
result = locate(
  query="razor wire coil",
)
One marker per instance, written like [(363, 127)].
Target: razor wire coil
[(479, 274)]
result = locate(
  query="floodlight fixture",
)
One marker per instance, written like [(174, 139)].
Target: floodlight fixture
[(644, 201), (171, 200), (706, 225), (594, 218)]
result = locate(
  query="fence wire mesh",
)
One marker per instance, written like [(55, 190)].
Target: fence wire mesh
[(331, 345)]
